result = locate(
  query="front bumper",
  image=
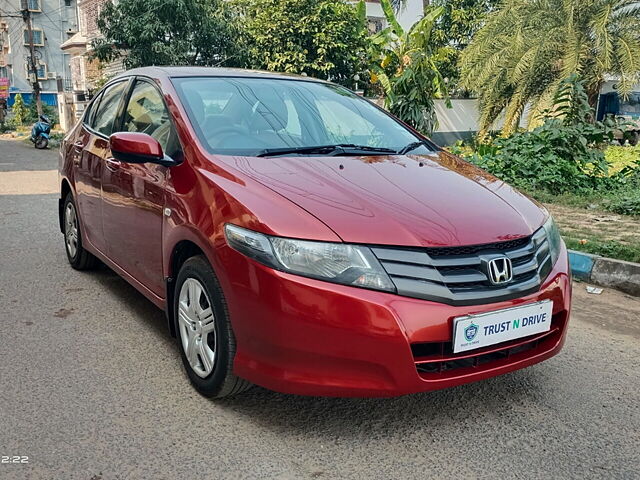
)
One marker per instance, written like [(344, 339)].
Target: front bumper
[(308, 337)]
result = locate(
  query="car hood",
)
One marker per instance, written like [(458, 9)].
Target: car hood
[(427, 200)]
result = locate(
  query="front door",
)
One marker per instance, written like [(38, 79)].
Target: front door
[(90, 148), (133, 194)]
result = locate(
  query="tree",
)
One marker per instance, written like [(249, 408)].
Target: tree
[(454, 30), (404, 63), (170, 32), (47, 110), (19, 110), (528, 47), (320, 38)]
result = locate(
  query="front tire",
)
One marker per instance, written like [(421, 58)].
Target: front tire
[(204, 334), (78, 257)]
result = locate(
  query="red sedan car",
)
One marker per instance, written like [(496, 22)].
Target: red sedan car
[(302, 239)]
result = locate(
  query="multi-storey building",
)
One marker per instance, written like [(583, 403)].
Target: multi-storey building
[(87, 74), (53, 23), (4, 54)]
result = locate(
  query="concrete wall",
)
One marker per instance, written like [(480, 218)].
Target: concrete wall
[(457, 123), (57, 20)]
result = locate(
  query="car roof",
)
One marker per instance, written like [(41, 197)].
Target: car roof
[(190, 71)]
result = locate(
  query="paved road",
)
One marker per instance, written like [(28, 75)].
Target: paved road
[(17, 154), (91, 387)]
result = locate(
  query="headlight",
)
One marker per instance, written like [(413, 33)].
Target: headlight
[(553, 236), (333, 262)]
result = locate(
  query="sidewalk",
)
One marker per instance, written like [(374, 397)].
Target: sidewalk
[(606, 272)]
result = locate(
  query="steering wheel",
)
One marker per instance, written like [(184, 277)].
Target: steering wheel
[(218, 137)]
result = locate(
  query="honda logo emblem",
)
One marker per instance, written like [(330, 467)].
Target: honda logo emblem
[(500, 270)]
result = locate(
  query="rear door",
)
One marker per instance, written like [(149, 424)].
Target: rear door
[(89, 150), (133, 194)]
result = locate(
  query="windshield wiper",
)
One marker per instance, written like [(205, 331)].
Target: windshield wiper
[(337, 149), (412, 146)]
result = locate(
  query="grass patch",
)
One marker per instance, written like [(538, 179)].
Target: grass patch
[(582, 201), (606, 248), (598, 231)]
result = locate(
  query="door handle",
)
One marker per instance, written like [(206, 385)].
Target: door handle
[(112, 164), (77, 147)]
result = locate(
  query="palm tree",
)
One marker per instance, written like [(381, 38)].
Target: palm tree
[(527, 47)]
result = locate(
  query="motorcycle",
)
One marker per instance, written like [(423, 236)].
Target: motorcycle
[(40, 132)]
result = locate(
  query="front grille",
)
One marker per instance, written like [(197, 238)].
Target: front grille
[(436, 359), (473, 249), (457, 275)]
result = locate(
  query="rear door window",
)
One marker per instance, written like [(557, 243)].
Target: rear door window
[(90, 111), (104, 121)]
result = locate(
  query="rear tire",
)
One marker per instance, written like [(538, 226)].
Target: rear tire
[(41, 143), (78, 257), (204, 334)]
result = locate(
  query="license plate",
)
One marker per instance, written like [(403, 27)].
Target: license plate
[(489, 328)]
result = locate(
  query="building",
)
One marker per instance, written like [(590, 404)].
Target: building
[(53, 23), (410, 13), (87, 74)]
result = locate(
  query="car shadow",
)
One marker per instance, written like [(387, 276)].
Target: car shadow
[(486, 400), (277, 411), (140, 307)]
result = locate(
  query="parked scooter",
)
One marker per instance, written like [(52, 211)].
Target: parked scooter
[(40, 132)]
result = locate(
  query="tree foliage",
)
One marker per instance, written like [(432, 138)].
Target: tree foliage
[(563, 154), (169, 32), (48, 110), (319, 38), (404, 63), (527, 47), (455, 28), (19, 110)]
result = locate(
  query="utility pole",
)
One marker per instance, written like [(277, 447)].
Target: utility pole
[(26, 16)]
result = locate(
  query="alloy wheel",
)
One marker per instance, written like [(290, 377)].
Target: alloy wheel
[(71, 229), (197, 327)]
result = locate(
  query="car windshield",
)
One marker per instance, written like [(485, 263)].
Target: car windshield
[(251, 116)]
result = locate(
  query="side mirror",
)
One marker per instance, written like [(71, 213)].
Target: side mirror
[(130, 147)]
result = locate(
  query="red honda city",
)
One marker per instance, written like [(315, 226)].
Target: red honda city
[(300, 238)]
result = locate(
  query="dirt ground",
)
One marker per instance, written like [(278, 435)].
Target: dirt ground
[(578, 223)]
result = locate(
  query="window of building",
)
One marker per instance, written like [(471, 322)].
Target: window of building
[(67, 3), (375, 24), (38, 37), (41, 69), (4, 72), (34, 5), (5, 46)]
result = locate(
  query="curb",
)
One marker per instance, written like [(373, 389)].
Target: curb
[(606, 272)]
